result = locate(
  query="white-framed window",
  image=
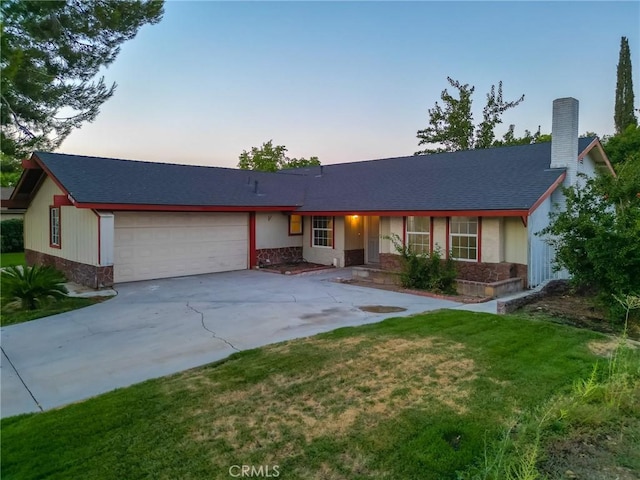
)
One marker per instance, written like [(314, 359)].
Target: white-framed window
[(54, 227), (419, 234), (322, 232), (463, 235)]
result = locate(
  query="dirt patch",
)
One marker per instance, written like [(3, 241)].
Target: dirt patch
[(369, 382), (578, 310), (587, 458), (421, 293), (381, 309), (295, 268)]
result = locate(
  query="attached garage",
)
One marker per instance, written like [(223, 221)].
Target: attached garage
[(149, 245)]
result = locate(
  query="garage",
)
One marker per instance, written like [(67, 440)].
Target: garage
[(149, 245)]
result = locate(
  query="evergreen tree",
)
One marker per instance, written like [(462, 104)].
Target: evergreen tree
[(624, 114), (50, 53)]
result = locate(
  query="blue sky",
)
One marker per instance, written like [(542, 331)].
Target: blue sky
[(348, 81)]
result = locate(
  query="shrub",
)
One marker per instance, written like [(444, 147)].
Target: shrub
[(423, 271), (596, 236), (33, 285), (11, 235)]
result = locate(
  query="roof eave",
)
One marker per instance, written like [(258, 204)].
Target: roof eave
[(183, 208), (600, 155)]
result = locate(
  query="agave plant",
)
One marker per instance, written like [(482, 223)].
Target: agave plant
[(33, 285)]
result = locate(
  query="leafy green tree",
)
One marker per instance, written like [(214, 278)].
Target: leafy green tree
[(624, 114), (596, 236), (10, 170), (624, 146), (51, 52), (270, 158), (528, 138), (451, 125), (33, 285)]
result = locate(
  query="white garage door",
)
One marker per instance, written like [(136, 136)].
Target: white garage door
[(159, 245)]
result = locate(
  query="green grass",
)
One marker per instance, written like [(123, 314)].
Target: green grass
[(9, 259), (11, 311), (11, 314), (419, 397)]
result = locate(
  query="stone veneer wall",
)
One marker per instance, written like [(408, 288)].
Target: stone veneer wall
[(276, 256), (89, 275), (354, 257), (473, 271)]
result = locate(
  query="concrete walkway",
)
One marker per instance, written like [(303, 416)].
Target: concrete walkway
[(159, 327)]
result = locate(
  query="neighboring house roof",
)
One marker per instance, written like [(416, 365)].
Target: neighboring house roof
[(5, 193), (497, 179)]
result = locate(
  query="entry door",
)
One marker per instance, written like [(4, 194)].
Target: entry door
[(373, 239)]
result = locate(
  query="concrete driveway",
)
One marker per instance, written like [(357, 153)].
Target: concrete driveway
[(159, 327)]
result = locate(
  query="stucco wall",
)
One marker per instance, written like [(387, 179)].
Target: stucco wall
[(440, 233), (78, 228), (492, 240), (272, 231), (324, 255), (515, 241), (390, 226)]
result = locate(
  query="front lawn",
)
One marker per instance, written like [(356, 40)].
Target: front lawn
[(9, 259), (12, 313), (420, 397)]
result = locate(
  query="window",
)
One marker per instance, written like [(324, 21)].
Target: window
[(295, 224), (54, 226), (464, 238), (322, 232), (418, 234)]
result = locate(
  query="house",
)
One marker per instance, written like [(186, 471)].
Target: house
[(105, 221), (6, 213)]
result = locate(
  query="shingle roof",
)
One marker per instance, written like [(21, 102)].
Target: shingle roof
[(5, 193), (114, 181), (504, 178)]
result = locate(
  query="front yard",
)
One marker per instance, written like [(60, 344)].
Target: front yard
[(9, 259), (420, 397)]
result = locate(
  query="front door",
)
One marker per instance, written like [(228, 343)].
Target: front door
[(373, 239)]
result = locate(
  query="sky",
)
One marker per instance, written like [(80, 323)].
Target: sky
[(348, 81)]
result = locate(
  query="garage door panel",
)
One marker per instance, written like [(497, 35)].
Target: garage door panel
[(158, 245)]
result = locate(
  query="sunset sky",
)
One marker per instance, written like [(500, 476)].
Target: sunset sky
[(348, 81)]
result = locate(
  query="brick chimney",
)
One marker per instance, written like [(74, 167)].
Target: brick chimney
[(564, 137)]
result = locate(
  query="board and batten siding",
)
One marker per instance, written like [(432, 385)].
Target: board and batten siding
[(78, 228), (541, 255)]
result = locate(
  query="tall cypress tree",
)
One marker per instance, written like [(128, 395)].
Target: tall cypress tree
[(624, 115)]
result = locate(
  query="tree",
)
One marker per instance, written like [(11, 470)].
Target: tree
[(624, 115), (270, 159), (624, 146), (51, 52), (596, 236), (528, 138), (451, 126)]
